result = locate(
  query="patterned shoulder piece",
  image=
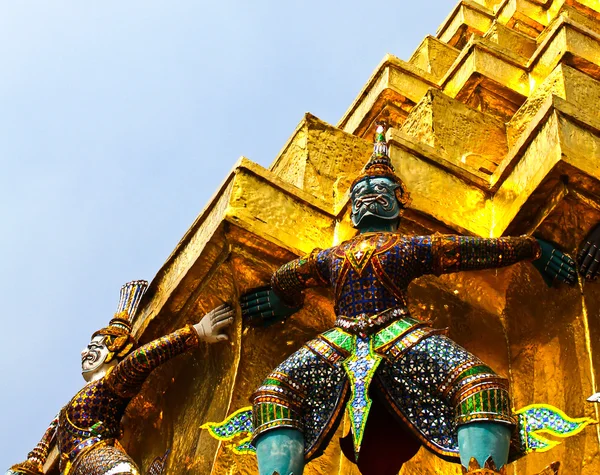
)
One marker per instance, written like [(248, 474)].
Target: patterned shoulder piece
[(292, 278)]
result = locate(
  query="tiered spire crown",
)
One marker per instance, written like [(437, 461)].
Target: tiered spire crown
[(121, 324), (380, 166)]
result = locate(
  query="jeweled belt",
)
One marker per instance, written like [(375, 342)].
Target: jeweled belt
[(97, 429), (83, 445), (365, 324)]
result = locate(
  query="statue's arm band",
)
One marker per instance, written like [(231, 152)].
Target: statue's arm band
[(292, 278), (128, 376), (457, 253), (41, 450)]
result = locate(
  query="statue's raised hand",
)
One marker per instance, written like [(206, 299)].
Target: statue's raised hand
[(589, 255), (554, 265), (211, 328), (262, 307)]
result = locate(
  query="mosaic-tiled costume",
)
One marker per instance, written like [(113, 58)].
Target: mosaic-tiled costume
[(88, 427), (428, 381), (443, 397), (90, 424)]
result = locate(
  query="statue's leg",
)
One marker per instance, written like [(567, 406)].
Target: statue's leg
[(451, 386), (104, 459), (484, 441), (297, 408), (280, 451)]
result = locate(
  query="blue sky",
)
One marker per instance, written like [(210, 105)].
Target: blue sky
[(118, 120)]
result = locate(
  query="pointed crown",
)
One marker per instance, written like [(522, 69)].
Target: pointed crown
[(380, 166), (120, 326)]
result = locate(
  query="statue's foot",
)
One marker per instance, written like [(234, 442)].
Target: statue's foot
[(489, 468), (551, 469)]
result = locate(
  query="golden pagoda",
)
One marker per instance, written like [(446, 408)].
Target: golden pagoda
[(495, 131)]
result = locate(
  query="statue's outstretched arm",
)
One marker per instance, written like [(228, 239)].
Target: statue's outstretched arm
[(128, 376), (457, 253), (37, 457), (267, 305)]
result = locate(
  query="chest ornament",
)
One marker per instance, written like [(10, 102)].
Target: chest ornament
[(359, 252)]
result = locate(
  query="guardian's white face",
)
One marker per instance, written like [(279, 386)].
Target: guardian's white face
[(93, 357)]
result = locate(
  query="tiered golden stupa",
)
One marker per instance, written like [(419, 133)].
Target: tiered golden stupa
[(496, 130)]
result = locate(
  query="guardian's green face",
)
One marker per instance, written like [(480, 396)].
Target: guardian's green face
[(374, 199)]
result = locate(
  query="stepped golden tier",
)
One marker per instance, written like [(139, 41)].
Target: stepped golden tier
[(495, 131)]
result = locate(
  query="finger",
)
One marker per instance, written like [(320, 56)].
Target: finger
[(222, 308), (224, 311), (264, 316), (254, 295), (570, 261), (592, 271), (559, 264), (562, 276), (584, 251), (588, 259), (222, 337), (562, 272), (273, 315), (264, 307), (223, 324), (257, 301), (219, 315), (551, 271), (213, 312), (224, 316), (559, 257)]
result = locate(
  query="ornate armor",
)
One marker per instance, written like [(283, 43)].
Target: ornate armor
[(444, 395), (427, 380), (90, 423), (88, 427)]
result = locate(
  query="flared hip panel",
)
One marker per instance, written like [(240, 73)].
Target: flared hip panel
[(437, 385), (431, 383), (104, 459), (305, 392)]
